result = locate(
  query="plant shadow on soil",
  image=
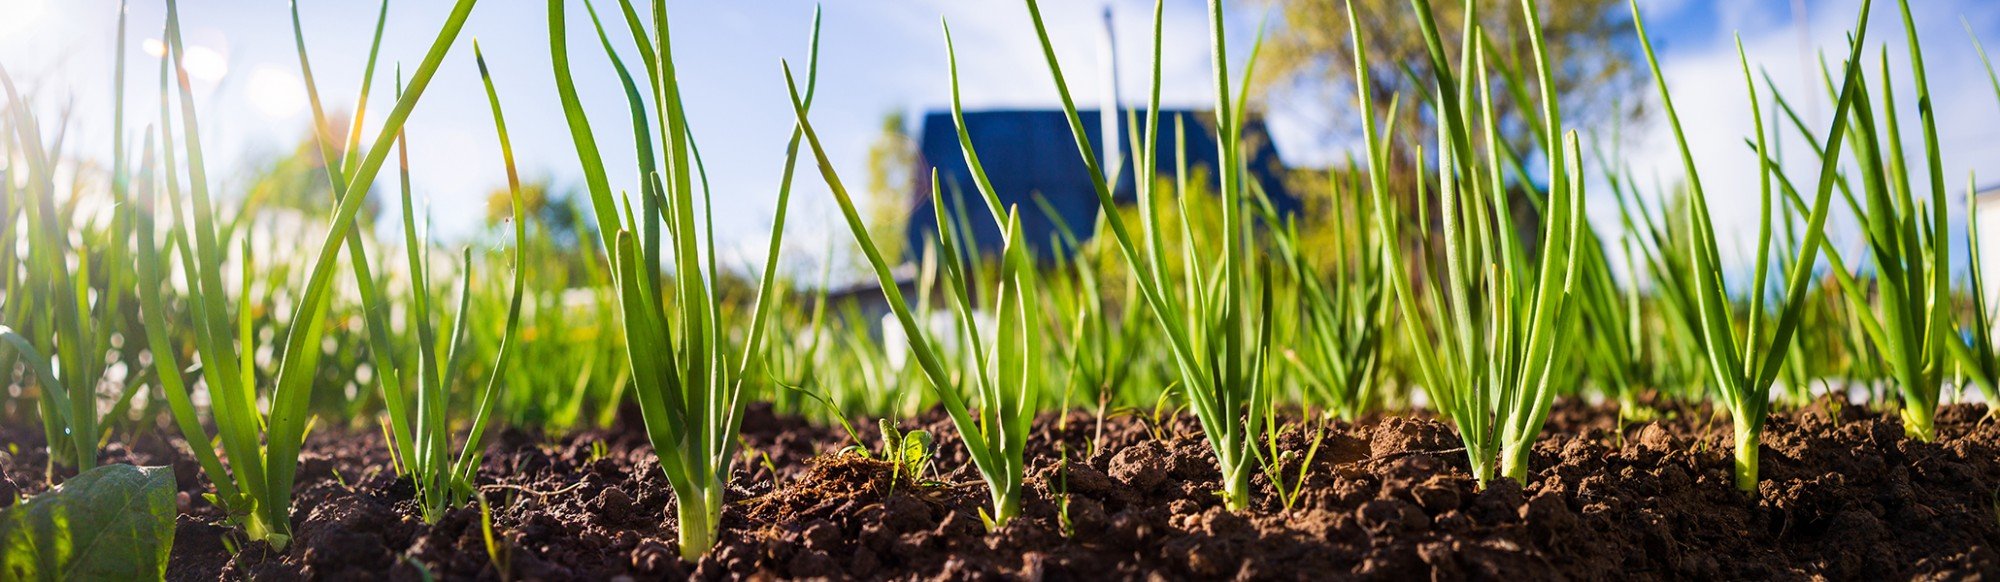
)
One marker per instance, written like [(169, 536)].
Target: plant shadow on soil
[(1844, 496)]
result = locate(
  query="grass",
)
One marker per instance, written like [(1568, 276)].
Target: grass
[(1462, 271)]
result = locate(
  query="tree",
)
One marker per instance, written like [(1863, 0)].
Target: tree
[(296, 180), (557, 214), (1308, 59), (892, 159), (561, 229)]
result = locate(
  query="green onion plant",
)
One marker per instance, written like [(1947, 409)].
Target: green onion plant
[(1338, 349), (55, 310), (688, 379), (1906, 314), (1745, 360), (1004, 376), (1105, 344), (255, 487), (420, 431), (1908, 246), (56, 337), (1976, 353), (1484, 334), (1215, 322)]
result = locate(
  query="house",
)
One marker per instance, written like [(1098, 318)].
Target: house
[(1987, 202), (865, 302), (1029, 153)]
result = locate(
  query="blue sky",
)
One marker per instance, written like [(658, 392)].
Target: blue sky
[(1706, 79), (877, 56)]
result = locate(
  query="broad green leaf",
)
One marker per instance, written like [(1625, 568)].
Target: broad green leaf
[(114, 522)]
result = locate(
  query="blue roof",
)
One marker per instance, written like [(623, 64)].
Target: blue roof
[(1028, 153)]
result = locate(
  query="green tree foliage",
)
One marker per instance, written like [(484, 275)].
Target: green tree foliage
[(1307, 58), (295, 179), (892, 158)]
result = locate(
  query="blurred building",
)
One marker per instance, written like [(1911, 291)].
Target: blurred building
[(1032, 153), (1987, 201)]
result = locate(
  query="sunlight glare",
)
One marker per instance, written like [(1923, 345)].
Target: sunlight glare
[(22, 15), (275, 92), (203, 63)]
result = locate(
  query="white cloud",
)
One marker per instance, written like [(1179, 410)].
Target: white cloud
[(1710, 94)]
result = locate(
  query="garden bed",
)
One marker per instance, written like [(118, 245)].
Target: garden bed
[(1845, 496)]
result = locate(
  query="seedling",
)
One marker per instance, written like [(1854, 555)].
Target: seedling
[(1745, 364), (1484, 338), (908, 453), (496, 552), (1217, 323), (1004, 375), (256, 487), (1976, 353), (688, 379), (63, 349)]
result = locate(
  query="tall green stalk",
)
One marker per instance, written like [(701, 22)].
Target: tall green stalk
[(1745, 363), (1906, 314), (1216, 322), (1977, 354), (256, 489), (62, 352), (441, 482), (1006, 376), (1485, 333), (688, 380), (339, 167)]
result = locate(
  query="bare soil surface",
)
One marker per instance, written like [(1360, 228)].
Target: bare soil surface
[(1844, 496)]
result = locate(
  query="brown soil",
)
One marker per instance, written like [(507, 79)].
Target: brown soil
[(1845, 496)]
